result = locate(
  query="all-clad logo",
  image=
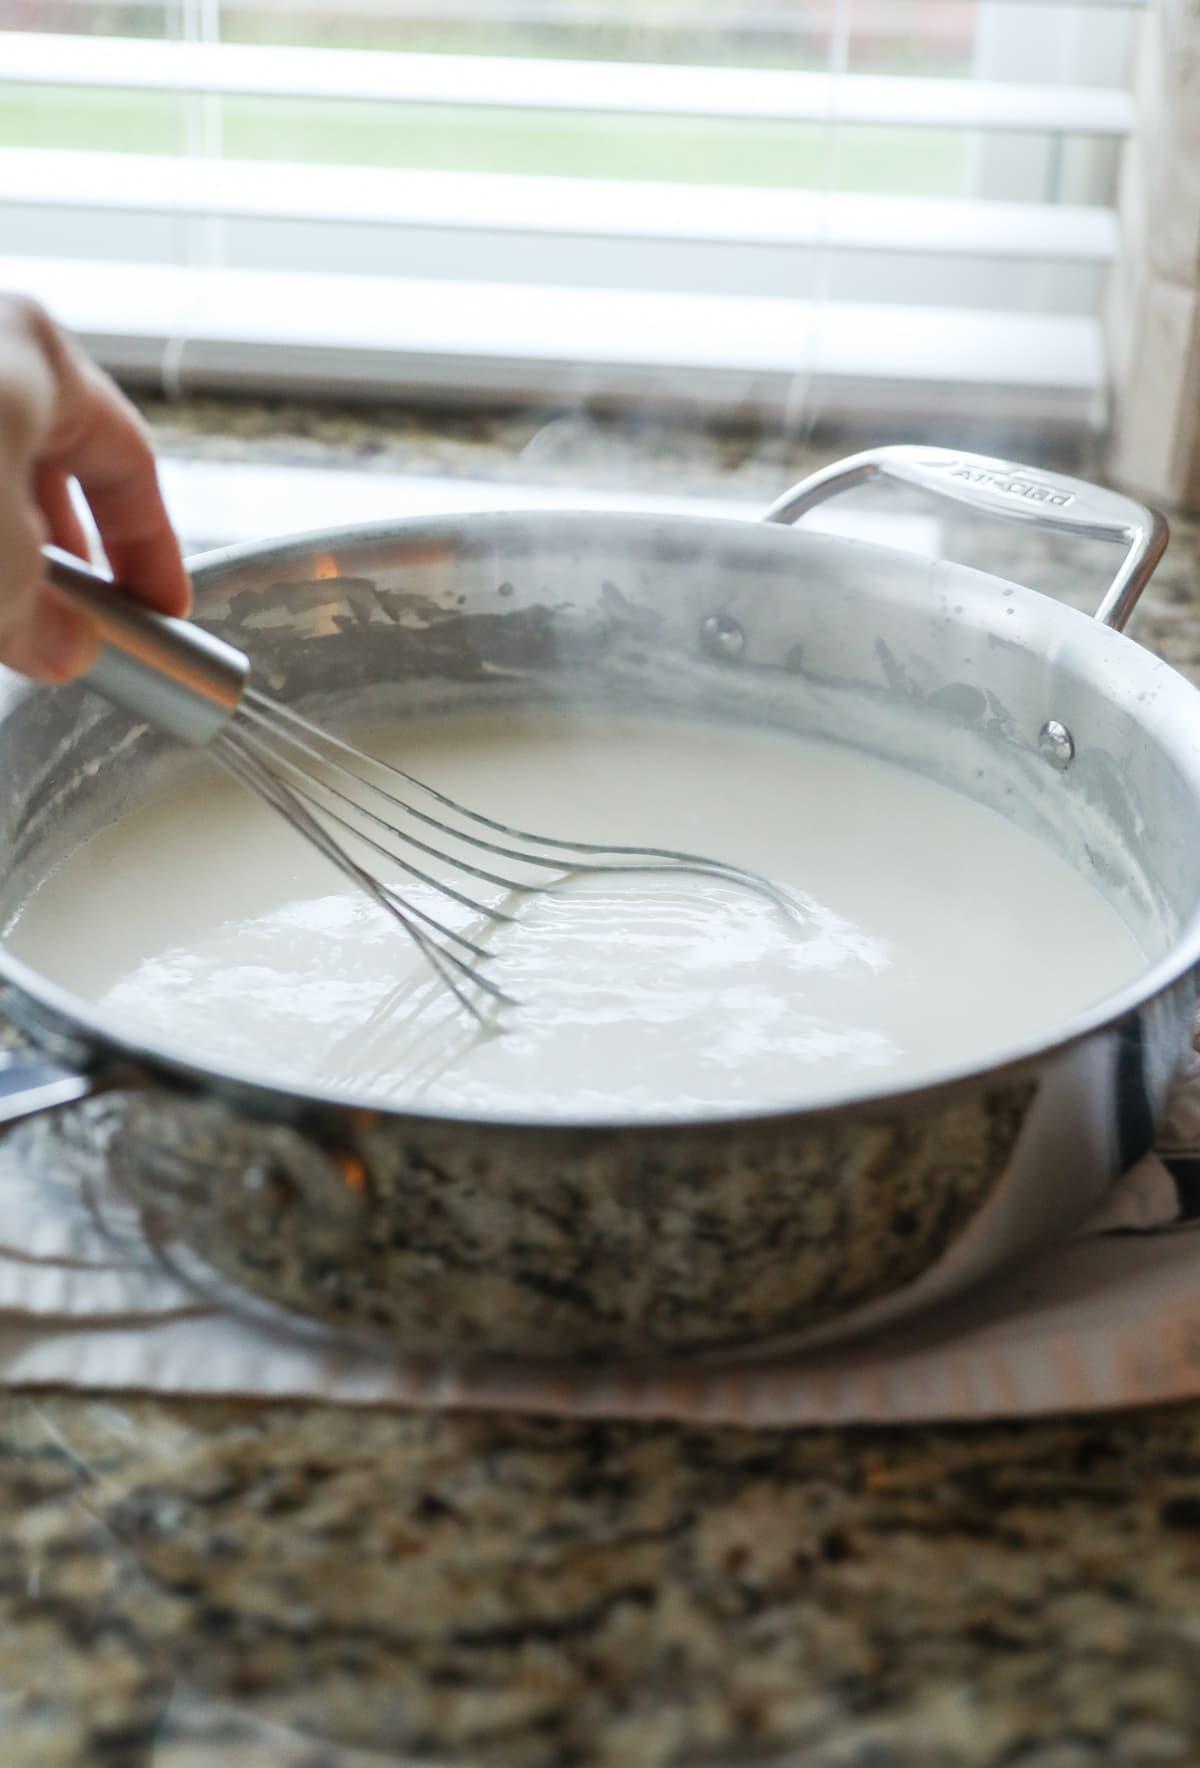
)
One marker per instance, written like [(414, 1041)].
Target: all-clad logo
[(1012, 485)]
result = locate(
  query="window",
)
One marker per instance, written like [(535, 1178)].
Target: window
[(832, 205)]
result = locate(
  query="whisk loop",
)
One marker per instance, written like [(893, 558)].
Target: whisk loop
[(315, 779), (196, 688)]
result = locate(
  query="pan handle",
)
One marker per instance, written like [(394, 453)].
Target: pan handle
[(1004, 488), (31, 1084)]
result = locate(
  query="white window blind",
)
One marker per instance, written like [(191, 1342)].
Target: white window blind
[(868, 205)]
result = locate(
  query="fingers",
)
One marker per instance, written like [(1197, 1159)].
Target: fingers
[(60, 417), (26, 411), (40, 634), (56, 642), (52, 494), (98, 437)]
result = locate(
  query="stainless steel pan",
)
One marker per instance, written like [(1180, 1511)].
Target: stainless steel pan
[(649, 1239)]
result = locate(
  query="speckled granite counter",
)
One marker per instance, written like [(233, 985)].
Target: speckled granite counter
[(196, 1584), (193, 1583)]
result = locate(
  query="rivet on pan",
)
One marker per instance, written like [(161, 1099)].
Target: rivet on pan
[(722, 637), (1057, 744)]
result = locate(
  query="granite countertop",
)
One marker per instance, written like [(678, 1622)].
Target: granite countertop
[(188, 1583)]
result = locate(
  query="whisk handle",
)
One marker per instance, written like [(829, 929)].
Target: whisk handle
[(169, 672)]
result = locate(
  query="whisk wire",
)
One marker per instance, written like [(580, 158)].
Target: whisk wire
[(195, 687), (308, 789), (324, 748), (246, 766), (459, 864), (290, 761), (239, 759)]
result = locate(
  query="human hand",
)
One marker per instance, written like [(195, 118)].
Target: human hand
[(62, 418)]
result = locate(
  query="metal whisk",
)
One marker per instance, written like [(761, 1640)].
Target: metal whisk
[(196, 688)]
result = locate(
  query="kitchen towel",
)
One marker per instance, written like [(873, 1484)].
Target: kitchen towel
[(1110, 1318)]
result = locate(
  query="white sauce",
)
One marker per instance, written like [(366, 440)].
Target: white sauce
[(933, 933)]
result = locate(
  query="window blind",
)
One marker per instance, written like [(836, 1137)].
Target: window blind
[(869, 205)]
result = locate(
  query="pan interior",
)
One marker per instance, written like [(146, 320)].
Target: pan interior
[(763, 636)]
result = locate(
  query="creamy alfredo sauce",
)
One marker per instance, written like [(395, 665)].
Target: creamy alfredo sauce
[(931, 933)]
